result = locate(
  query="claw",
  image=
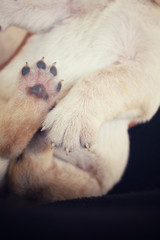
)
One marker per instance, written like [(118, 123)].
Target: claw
[(43, 128), (88, 147), (67, 151)]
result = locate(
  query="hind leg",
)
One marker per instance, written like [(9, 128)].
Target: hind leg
[(49, 176), (39, 175)]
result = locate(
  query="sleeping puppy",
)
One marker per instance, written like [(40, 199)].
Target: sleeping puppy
[(108, 53)]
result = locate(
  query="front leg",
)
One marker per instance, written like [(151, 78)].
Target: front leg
[(32, 15), (23, 114), (121, 91)]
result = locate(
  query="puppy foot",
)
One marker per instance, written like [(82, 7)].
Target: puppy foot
[(40, 82), (71, 127)]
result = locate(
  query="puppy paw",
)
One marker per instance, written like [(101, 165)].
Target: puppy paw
[(72, 124), (40, 82)]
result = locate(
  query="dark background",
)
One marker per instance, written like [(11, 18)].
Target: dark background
[(131, 209)]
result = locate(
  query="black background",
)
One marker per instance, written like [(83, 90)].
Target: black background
[(131, 209)]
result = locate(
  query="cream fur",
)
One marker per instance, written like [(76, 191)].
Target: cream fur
[(108, 54)]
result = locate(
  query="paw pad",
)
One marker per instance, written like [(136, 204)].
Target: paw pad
[(39, 91), (25, 70), (41, 80), (53, 70), (59, 85), (41, 64)]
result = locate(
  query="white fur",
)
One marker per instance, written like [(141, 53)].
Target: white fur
[(109, 57)]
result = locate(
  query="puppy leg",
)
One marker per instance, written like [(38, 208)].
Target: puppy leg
[(24, 13), (22, 115), (47, 178), (122, 91), (40, 176)]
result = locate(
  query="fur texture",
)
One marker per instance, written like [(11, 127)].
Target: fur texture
[(108, 54)]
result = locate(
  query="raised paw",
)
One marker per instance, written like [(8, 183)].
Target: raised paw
[(34, 95), (40, 81)]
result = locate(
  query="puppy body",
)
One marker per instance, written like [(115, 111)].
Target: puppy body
[(109, 57)]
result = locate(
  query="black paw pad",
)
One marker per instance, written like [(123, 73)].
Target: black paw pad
[(41, 65), (25, 70), (53, 70), (59, 85), (39, 91)]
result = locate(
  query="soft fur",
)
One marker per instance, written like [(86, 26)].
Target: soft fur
[(108, 53)]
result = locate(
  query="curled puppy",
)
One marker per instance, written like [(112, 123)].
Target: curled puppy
[(108, 53)]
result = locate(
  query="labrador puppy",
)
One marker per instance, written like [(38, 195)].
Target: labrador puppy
[(64, 140)]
